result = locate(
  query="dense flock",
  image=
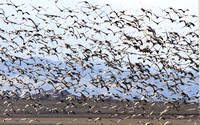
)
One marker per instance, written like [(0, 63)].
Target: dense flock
[(97, 54)]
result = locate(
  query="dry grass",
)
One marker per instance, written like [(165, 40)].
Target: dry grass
[(103, 113), (86, 121)]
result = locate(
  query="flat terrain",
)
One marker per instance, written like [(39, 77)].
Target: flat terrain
[(85, 121), (79, 112)]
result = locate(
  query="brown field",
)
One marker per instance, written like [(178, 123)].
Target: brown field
[(100, 113), (85, 121)]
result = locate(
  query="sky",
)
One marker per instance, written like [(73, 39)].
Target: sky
[(152, 4), (131, 5), (192, 5)]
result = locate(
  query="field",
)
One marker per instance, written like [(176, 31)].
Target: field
[(43, 112), (85, 121)]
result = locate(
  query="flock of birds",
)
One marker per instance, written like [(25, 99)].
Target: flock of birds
[(130, 57)]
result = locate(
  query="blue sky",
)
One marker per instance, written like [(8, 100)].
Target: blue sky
[(131, 5), (152, 4), (126, 4)]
